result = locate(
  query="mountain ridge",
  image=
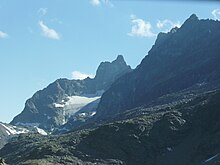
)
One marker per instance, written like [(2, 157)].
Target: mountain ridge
[(175, 62), (44, 108)]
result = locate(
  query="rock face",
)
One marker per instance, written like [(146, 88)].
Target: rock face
[(180, 59), (54, 105), (108, 72)]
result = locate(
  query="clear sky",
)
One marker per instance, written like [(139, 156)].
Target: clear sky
[(43, 40)]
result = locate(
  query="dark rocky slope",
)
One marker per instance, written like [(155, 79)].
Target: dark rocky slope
[(186, 134), (180, 59)]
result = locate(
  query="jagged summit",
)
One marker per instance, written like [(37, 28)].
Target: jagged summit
[(164, 36), (191, 21), (107, 70), (193, 17), (120, 59)]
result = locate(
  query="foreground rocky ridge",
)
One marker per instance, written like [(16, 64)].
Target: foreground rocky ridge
[(187, 133)]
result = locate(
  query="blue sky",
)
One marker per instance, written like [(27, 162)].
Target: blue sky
[(43, 40)]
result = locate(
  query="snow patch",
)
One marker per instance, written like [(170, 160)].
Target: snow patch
[(59, 105), (64, 120), (72, 104), (82, 114), (13, 130), (211, 158), (93, 113), (40, 131), (7, 132)]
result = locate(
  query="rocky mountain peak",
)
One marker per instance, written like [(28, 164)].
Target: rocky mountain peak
[(164, 36), (119, 59), (193, 17), (191, 21), (107, 70)]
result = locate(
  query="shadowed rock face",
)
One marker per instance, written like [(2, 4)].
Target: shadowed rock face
[(179, 60), (40, 110), (108, 72)]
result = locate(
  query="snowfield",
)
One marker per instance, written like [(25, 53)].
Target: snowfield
[(13, 130), (75, 103)]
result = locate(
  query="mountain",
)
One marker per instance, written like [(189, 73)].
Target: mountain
[(57, 103), (165, 112), (181, 59)]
